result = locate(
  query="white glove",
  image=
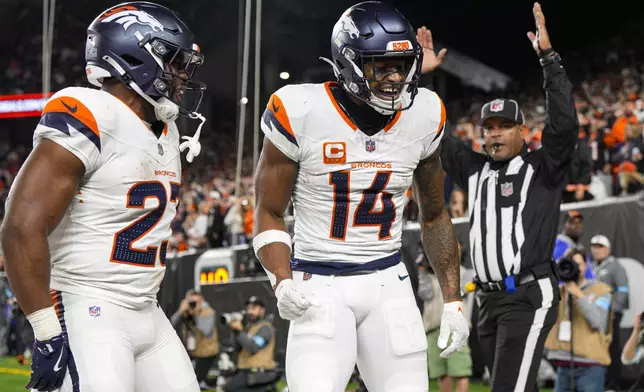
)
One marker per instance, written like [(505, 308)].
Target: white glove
[(290, 303), (453, 323)]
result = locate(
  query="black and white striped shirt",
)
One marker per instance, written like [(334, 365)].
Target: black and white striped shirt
[(514, 205)]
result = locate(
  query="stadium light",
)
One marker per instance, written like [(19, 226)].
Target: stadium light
[(284, 75), (244, 101)]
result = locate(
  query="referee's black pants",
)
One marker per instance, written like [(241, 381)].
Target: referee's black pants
[(512, 330)]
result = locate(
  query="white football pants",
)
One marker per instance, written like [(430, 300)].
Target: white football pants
[(118, 349), (371, 320)]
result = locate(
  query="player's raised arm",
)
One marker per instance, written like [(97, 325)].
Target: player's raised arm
[(440, 245), (274, 179), (39, 197)]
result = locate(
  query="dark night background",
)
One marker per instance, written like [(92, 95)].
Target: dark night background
[(296, 33)]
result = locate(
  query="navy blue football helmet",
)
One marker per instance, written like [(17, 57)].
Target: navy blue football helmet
[(371, 32), (152, 51)]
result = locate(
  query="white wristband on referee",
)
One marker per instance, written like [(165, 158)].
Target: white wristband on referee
[(267, 237), (45, 323)]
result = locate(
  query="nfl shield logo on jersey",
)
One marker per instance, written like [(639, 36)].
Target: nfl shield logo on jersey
[(507, 189), (94, 311), (370, 145), (496, 106)]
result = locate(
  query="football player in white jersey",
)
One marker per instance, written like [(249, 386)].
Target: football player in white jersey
[(89, 213), (346, 153)]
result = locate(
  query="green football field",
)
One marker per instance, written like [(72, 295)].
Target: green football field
[(14, 377)]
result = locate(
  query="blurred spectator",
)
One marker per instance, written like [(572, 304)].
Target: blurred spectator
[(458, 204), (569, 239), (609, 271), (248, 212), (216, 227), (199, 228), (234, 221), (631, 162)]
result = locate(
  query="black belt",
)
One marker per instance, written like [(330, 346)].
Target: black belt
[(512, 281)]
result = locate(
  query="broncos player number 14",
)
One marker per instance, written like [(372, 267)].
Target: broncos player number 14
[(365, 213)]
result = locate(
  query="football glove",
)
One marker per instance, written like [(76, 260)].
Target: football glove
[(454, 326), (292, 304), (49, 364)]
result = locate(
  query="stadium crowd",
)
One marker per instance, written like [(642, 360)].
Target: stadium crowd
[(608, 162)]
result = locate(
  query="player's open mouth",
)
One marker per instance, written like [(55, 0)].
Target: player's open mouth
[(387, 92)]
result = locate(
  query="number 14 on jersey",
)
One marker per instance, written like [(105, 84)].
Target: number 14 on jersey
[(365, 214)]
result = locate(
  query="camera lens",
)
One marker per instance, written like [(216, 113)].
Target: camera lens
[(568, 270)]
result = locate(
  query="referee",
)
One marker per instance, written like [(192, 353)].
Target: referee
[(514, 197)]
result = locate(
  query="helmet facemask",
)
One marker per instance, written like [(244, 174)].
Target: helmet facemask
[(174, 80), (381, 73)]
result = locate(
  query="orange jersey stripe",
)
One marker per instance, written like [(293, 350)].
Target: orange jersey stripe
[(76, 109), (56, 302), (350, 123), (276, 106), (443, 117), (393, 121)]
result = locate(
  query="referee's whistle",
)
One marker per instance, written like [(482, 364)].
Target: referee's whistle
[(470, 287)]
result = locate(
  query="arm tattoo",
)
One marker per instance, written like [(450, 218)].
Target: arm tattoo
[(437, 233)]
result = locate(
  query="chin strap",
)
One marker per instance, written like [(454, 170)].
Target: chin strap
[(192, 143)]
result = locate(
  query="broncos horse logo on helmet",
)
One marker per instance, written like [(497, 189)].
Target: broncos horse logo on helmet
[(347, 25), (129, 16), (156, 56), (372, 32)]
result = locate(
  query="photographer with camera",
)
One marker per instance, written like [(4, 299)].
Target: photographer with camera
[(578, 344), (256, 335), (195, 321)]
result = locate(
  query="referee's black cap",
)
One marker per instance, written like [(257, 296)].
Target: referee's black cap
[(504, 108)]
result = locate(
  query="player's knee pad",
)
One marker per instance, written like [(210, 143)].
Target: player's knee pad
[(405, 330)]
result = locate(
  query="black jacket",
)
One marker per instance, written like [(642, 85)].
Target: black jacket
[(514, 205)]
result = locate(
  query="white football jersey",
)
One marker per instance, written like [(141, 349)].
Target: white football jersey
[(111, 243), (351, 188)]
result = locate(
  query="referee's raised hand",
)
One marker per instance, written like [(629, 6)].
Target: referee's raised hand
[(540, 40)]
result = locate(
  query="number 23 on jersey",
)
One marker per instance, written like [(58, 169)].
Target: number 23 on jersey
[(123, 250), (364, 214)]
